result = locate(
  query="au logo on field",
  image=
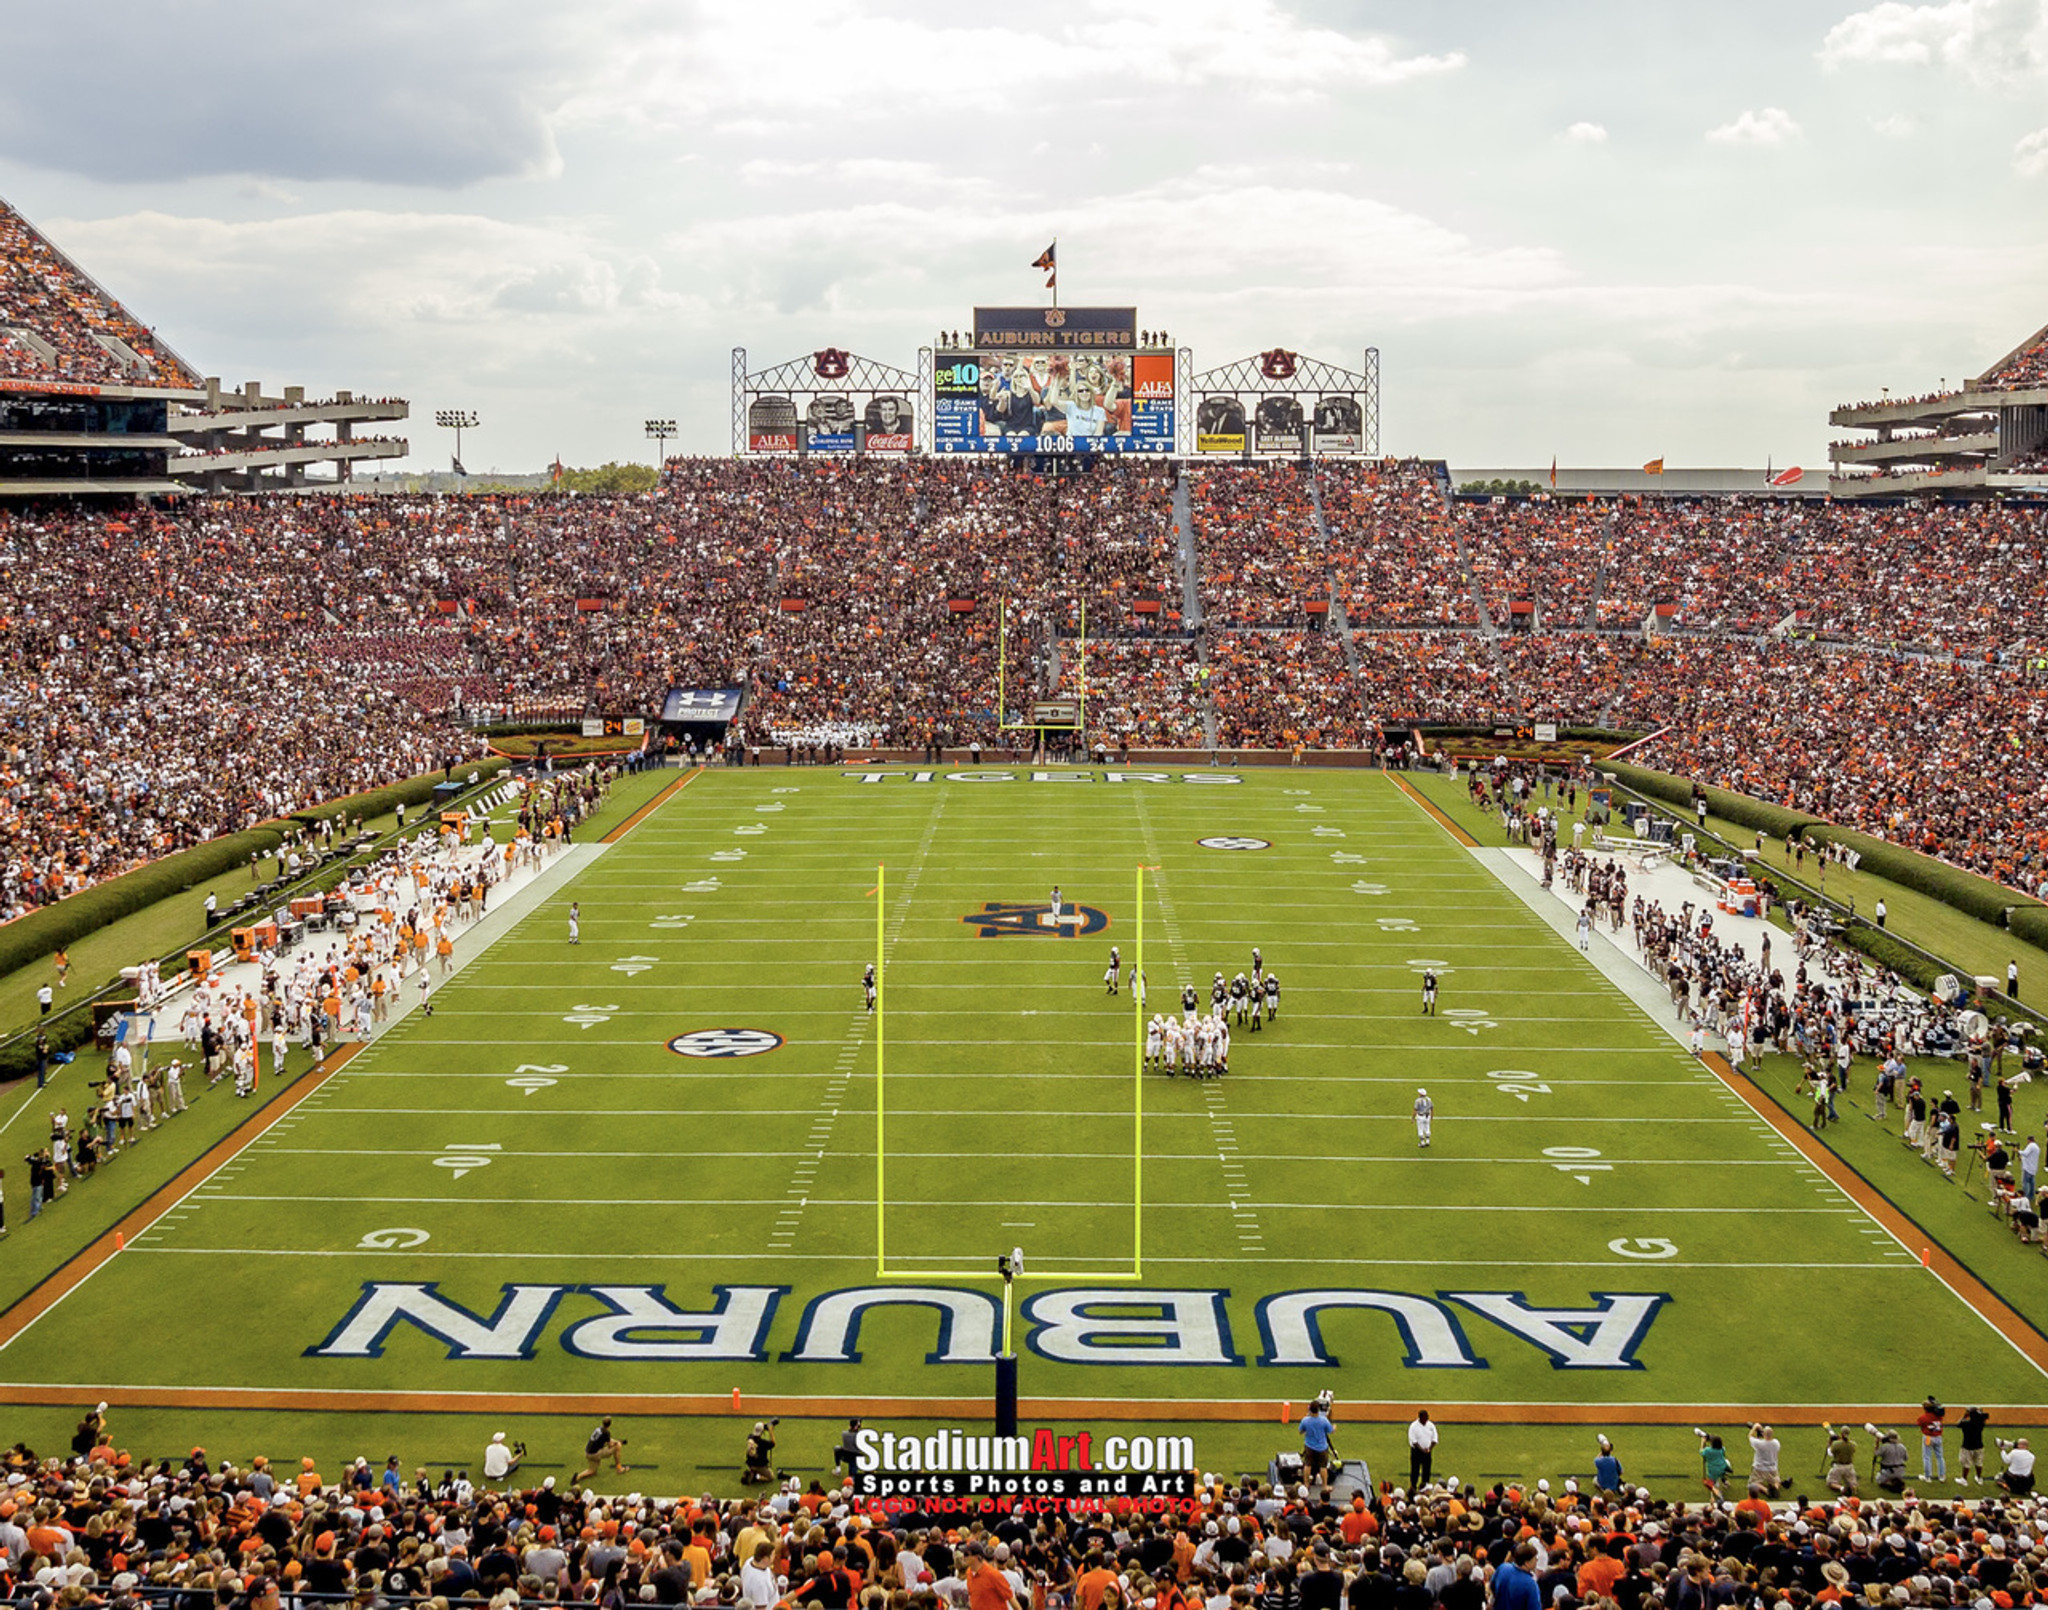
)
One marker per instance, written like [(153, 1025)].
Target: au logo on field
[(725, 1043), (1234, 841), (1010, 919)]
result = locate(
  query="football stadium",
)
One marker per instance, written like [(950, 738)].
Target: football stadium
[(1040, 970)]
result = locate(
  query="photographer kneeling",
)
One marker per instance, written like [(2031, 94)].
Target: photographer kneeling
[(760, 1466)]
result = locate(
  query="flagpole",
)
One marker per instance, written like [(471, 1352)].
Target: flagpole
[(1055, 272)]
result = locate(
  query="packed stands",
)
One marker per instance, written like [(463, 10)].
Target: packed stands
[(148, 703), (64, 327), (2026, 367), (107, 1527), (1394, 545)]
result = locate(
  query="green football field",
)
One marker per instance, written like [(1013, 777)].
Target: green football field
[(646, 1171)]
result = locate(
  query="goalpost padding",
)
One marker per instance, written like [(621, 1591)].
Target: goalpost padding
[(1098, 1276)]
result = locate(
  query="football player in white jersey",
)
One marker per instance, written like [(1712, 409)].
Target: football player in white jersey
[(1222, 1045), (1425, 1112), (1154, 1044)]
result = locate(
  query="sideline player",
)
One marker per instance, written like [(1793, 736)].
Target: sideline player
[(1425, 1110), (867, 985), (575, 922), (1429, 992)]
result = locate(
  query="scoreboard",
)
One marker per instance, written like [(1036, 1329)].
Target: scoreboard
[(1053, 380)]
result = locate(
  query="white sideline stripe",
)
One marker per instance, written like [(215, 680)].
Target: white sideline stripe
[(983, 1017), (1009, 1153), (526, 1045), (587, 1258), (753, 1115), (1121, 1081), (949, 1203)]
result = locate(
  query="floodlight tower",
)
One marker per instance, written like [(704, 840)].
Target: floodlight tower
[(660, 431), (458, 420)]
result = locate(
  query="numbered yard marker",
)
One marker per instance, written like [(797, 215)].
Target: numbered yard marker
[(1576, 1161), (772, 805), (1310, 810), (1469, 1018), (1642, 1247), (1518, 1082), (751, 827), (785, 790), (725, 1043), (1362, 887), (394, 1239), (530, 1084), (632, 965), (1292, 791), (1346, 858), (1431, 964), (467, 1158), (587, 1017), (729, 855), (702, 885), (1228, 841), (1397, 925), (672, 919), (1323, 830)]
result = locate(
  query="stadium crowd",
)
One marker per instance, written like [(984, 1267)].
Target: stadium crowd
[(172, 674), (56, 324), (103, 1528)]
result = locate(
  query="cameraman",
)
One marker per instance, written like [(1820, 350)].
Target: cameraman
[(760, 1465), (2018, 1476), (499, 1460), (1316, 1431)]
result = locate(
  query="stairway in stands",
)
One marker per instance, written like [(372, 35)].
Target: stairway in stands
[(1191, 613)]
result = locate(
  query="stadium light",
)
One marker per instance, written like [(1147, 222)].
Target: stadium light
[(661, 430), (458, 420)]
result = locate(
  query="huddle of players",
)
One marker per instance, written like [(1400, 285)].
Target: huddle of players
[(1199, 1043)]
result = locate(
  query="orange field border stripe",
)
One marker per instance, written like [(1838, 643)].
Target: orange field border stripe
[(68, 1276), (651, 807), (1991, 1307), (1442, 820)]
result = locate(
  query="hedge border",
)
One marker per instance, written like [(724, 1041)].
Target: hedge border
[(1967, 892), (1742, 809)]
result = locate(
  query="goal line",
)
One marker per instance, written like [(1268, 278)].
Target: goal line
[(883, 1268)]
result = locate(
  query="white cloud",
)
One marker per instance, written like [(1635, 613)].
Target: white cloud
[(1990, 40), (1897, 126), (1772, 125), (1586, 134), (2030, 156), (729, 68)]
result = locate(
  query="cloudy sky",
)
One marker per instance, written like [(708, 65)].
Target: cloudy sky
[(1595, 229)]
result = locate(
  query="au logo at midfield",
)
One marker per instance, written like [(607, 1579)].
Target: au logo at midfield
[(1012, 919)]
